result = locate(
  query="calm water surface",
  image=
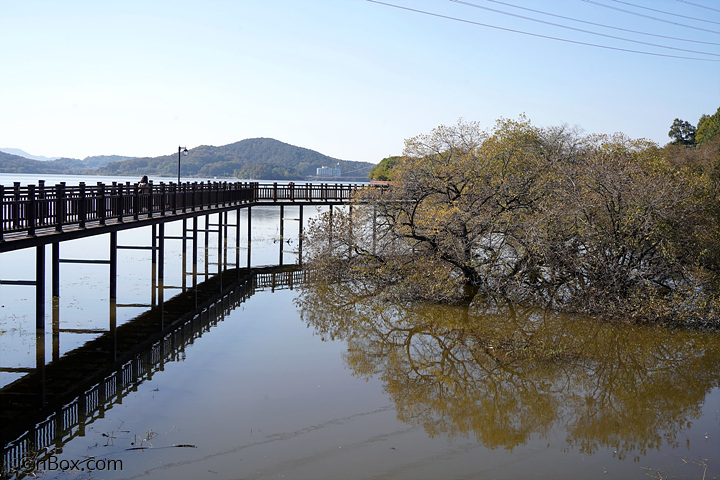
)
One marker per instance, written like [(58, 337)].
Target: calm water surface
[(322, 383), (267, 393)]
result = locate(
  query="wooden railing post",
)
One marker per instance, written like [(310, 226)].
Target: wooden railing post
[(174, 192), (162, 199), (42, 210), (30, 209), (136, 203), (193, 201), (101, 204), (189, 196), (120, 203), (274, 191), (60, 206), (114, 207), (150, 199), (2, 212), (16, 205), (81, 207), (184, 193)]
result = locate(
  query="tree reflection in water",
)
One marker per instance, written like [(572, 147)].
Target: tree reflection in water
[(506, 374)]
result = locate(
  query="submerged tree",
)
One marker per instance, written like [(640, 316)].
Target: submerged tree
[(600, 224)]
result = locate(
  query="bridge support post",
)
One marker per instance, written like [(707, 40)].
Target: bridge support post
[(225, 240), (113, 266), (40, 318), (183, 255), (55, 270), (161, 273), (55, 292), (249, 235), (40, 287), (195, 256), (282, 232), (300, 235), (153, 277), (207, 243), (237, 241), (113, 292), (220, 248)]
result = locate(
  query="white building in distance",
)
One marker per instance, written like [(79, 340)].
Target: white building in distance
[(329, 171)]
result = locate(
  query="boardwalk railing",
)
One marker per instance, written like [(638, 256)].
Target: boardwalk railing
[(28, 208)]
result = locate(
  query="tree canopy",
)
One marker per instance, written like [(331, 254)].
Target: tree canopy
[(383, 170), (682, 132), (708, 128)]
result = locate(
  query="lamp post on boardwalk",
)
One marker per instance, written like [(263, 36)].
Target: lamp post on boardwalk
[(181, 150)]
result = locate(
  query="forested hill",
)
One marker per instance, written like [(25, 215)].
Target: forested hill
[(253, 158), (10, 163)]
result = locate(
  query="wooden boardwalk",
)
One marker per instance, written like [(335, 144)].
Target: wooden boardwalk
[(35, 215)]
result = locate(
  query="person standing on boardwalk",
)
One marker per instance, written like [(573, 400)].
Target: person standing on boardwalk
[(144, 185), (144, 191)]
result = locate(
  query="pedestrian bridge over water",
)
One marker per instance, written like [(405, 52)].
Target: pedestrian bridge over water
[(35, 216)]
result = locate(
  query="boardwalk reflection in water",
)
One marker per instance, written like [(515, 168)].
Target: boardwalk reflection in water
[(48, 407)]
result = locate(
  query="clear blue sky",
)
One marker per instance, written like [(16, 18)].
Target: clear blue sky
[(349, 78)]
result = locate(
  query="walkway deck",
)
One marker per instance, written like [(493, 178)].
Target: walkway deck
[(36, 215)]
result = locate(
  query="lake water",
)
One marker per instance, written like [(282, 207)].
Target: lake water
[(320, 383)]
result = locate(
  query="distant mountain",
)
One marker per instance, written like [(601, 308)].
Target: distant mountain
[(21, 153), (10, 163), (14, 163), (98, 161), (253, 158)]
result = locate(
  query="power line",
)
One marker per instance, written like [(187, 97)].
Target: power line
[(698, 5), (602, 24), (581, 30), (666, 13), (539, 35), (650, 17)]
